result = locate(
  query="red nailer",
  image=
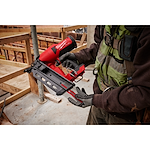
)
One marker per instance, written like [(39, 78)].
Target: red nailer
[(52, 54), (45, 70)]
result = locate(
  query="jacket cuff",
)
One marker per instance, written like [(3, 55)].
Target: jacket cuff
[(78, 57), (97, 102)]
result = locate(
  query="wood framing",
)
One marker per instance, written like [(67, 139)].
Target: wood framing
[(13, 63), (63, 35), (28, 30), (12, 75), (18, 49), (49, 40), (15, 96), (17, 93), (79, 48), (28, 52), (82, 39), (9, 88), (48, 29), (6, 38), (32, 81), (14, 38)]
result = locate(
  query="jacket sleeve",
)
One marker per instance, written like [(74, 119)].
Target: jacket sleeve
[(87, 56), (136, 96)]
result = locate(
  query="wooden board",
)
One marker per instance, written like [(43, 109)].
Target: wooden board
[(79, 48), (13, 63), (39, 30), (12, 75), (33, 84), (51, 97), (15, 96), (14, 38), (18, 49), (9, 88), (82, 39)]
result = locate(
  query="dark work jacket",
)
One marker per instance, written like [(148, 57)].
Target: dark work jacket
[(125, 100)]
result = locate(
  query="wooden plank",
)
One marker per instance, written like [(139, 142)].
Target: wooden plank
[(63, 35), (28, 52), (4, 34), (9, 88), (82, 39), (53, 29), (15, 96), (18, 49), (32, 81), (2, 92), (14, 38), (79, 48), (52, 97), (33, 84), (13, 63), (12, 75), (49, 30), (15, 30), (48, 39), (4, 119), (70, 28), (83, 79)]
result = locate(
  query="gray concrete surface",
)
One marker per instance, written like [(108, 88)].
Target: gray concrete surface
[(26, 110)]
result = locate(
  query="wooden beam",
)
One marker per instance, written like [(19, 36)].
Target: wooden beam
[(12, 75), (70, 28), (9, 88), (83, 79), (4, 120), (15, 30), (54, 29), (63, 35), (49, 30), (33, 84), (53, 98), (28, 52), (4, 34), (12, 48), (18, 49), (82, 39), (14, 38), (13, 63), (15, 96), (49, 40), (79, 48), (32, 81)]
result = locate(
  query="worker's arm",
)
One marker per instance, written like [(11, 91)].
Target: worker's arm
[(131, 97), (88, 55)]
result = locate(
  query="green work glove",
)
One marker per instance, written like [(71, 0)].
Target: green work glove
[(82, 96)]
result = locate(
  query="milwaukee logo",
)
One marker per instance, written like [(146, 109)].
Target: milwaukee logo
[(61, 45)]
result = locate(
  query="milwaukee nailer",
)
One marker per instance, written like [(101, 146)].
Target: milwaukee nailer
[(45, 70)]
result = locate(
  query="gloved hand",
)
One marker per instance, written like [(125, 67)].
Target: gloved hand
[(68, 60), (82, 96)]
